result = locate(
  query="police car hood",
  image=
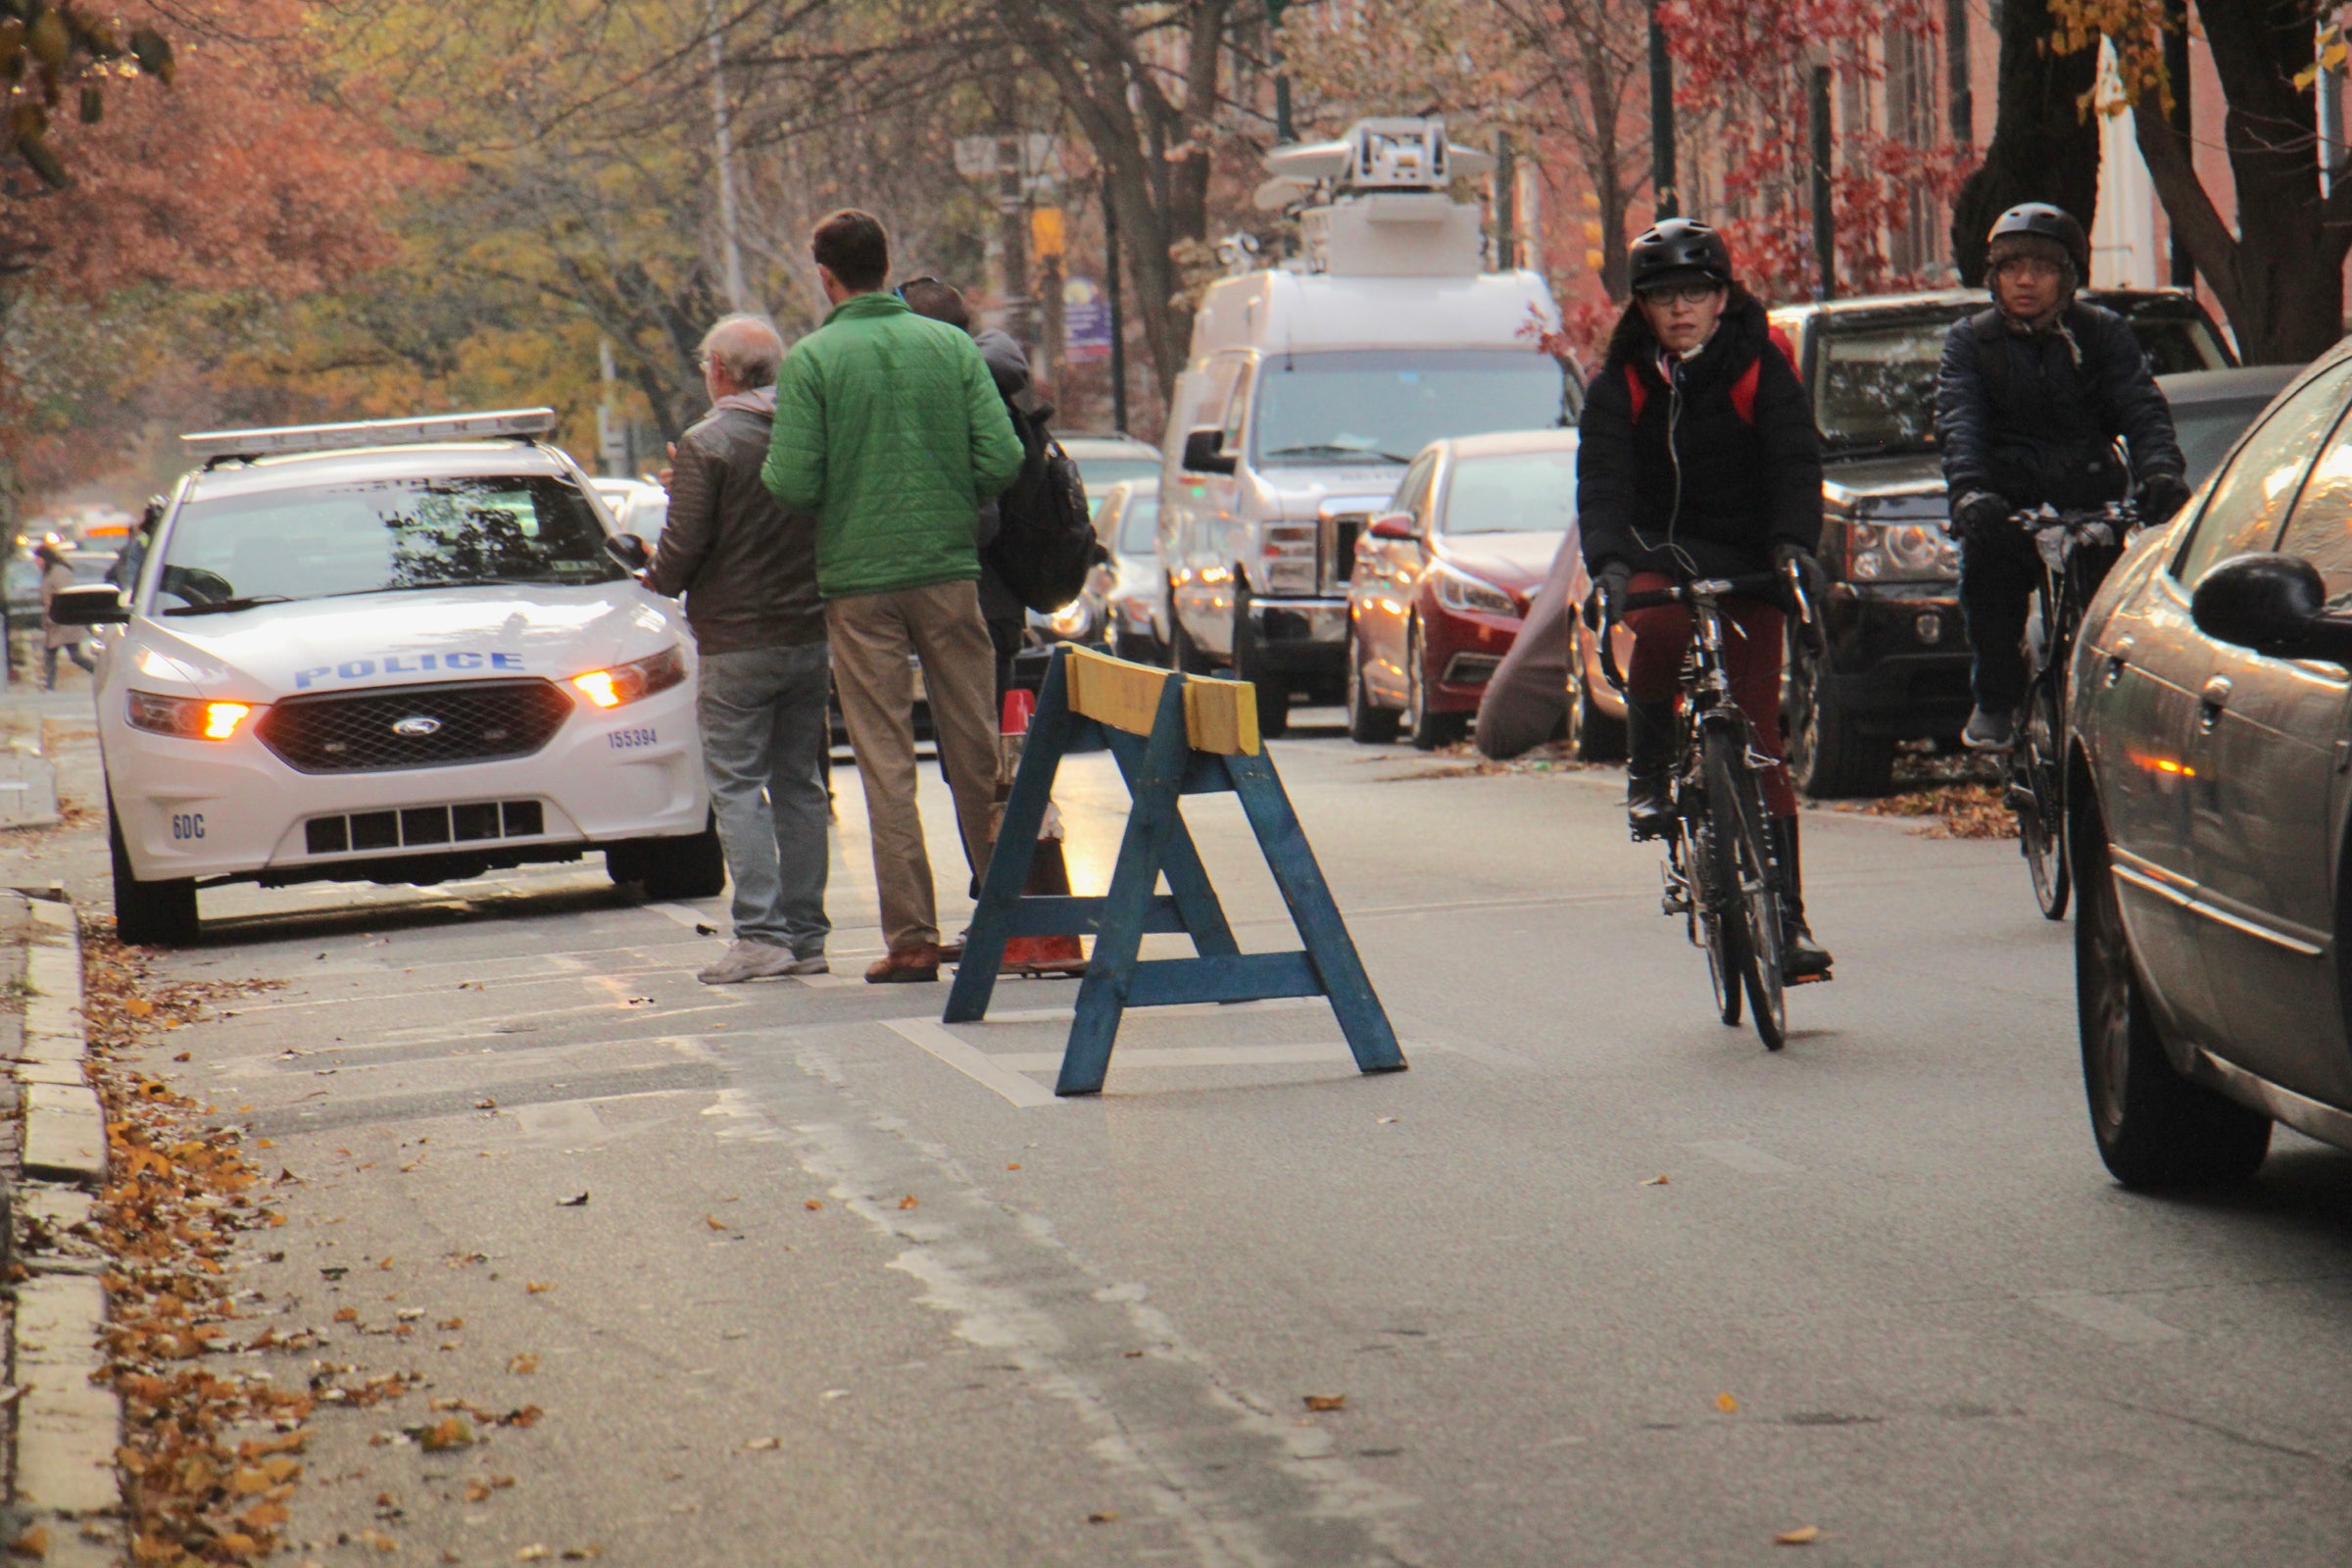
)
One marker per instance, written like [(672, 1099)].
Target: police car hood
[(399, 638)]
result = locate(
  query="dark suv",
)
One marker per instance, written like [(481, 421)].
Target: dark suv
[(1897, 664)]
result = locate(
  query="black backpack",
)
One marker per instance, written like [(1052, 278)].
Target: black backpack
[(1044, 543)]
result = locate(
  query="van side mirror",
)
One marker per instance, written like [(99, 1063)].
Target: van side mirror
[(630, 550), (2274, 603), (1205, 451), (1392, 525), (97, 604)]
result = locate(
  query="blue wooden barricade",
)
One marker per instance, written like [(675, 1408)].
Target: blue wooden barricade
[(1172, 736)]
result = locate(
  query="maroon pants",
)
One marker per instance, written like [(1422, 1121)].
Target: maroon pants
[(1752, 643)]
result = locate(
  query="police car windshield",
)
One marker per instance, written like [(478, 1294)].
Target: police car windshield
[(383, 536), (1383, 406)]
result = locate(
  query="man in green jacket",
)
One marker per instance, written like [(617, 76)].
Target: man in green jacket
[(888, 426)]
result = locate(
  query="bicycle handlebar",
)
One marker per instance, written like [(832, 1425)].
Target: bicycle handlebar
[(1751, 585)]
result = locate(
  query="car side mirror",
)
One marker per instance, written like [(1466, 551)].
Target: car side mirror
[(2274, 603), (630, 550), (1205, 451), (97, 604), (1393, 525)]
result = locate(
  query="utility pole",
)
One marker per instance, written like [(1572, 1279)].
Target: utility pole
[(1506, 205), (2177, 68), (1955, 73), (1665, 200), (1283, 129), (1824, 229), (723, 141)]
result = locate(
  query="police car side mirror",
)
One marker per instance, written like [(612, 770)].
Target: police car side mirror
[(1205, 451), (2274, 603), (98, 603), (630, 550)]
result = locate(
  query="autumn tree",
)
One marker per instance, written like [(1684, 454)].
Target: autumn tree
[(2278, 272), (2045, 141), (52, 56)]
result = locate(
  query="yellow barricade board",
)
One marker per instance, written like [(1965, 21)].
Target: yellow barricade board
[(1220, 716)]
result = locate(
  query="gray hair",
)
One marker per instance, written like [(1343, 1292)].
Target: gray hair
[(747, 347)]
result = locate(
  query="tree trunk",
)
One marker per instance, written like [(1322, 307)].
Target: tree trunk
[(2279, 278), (2046, 146)]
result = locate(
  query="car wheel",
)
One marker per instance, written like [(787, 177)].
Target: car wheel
[(1273, 693), (1827, 759), (1185, 655), (692, 867), (2156, 1129), (1368, 724), (149, 914), (1429, 731), (1594, 735), (1138, 649)]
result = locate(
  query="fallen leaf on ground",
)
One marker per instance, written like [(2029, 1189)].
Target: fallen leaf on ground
[(1102, 1516), (1385, 1121), (536, 1287), (701, 929), (379, 1540), (524, 1365), (810, 1202), (908, 1202), (758, 1444), (580, 1202), (347, 1314), (476, 1490), (581, 1553), (448, 1324), (33, 1542), (1804, 1536), (1016, 1166), (184, 1056), (534, 1553), (1727, 1404), (1326, 1401), (714, 1222), (451, 1431), (138, 1007), (1651, 1181)]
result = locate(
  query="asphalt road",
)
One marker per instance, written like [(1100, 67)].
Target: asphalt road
[(844, 1295)]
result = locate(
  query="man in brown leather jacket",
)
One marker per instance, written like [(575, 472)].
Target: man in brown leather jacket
[(747, 569)]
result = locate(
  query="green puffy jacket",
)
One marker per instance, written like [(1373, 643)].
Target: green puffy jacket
[(888, 427)]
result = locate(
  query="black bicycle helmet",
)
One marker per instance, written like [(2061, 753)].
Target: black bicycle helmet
[(2041, 219), (1679, 250)]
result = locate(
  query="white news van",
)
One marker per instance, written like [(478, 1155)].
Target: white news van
[(1313, 384)]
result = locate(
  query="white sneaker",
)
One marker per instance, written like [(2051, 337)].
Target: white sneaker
[(755, 961)]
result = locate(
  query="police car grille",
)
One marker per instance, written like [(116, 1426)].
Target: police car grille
[(360, 732)]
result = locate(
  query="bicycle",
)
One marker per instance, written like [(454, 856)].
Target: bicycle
[(1722, 872), (2076, 550)]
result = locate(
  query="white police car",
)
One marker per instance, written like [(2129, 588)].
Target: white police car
[(400, 651)]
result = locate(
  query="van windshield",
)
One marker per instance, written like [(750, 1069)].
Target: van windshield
[(1383, 405)]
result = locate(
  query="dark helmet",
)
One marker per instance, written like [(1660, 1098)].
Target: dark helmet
[(1679, 249), (2041, 219)]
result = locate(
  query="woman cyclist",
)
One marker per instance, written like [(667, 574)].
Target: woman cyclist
[(1699, 457)]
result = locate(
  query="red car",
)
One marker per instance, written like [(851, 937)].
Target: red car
[(1442, 579)]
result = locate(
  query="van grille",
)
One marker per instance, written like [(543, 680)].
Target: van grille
[(413, 726)]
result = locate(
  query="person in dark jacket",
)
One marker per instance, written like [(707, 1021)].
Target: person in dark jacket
[(2030, 400), (1698, 457), (747, 568)]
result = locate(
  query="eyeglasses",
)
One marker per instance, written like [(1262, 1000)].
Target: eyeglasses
[(2026, 267), (913, 282), (1682, 294)]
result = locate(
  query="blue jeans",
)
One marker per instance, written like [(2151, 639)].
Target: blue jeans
[(762, 714)]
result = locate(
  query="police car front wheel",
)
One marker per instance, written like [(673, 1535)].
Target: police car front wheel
[(149, 914), (690, 868)]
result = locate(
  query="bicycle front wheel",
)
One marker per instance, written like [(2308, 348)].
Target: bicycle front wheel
[(1751, 895), (1714, 868), (2042, 813)]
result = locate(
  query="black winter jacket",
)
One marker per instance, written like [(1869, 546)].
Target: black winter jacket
[(2042, 426), (1691, 484)]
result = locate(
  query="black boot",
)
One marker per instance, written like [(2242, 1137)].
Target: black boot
[(1650, 758), (1801, 957)]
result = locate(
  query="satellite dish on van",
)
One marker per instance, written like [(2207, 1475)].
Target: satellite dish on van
[(1383, 155), (1279, 192)]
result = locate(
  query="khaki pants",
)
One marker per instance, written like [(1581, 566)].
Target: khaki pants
[(872, 636)]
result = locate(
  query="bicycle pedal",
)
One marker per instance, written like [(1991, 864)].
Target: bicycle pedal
[(2019, 799), (1809, 979)]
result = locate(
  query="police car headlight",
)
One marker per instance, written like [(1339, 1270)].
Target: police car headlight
[(626, 683), (191, 718), (1458, 590)]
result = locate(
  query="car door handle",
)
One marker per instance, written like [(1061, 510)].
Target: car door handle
[(2118, 658)]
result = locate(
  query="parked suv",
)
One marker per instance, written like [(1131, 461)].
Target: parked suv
[(1898, 663)]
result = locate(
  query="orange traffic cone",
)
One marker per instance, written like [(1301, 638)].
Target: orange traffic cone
[(1049, 872)]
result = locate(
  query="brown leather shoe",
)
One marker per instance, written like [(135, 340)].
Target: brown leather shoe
[(951, 952), (905, 967)]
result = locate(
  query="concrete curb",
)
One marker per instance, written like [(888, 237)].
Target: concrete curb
[(68, 1426)]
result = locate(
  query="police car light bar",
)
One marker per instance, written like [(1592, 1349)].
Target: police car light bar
[(216, 445)]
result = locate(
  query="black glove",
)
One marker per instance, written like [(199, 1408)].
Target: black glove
[(1979, 513), (1809, 575), (1610, 585), (2161, 497)]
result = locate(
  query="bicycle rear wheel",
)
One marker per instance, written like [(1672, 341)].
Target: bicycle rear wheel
[(2041, 817), (1735, 803)]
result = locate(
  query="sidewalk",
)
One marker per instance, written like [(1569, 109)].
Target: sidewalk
[(64, 1503)]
